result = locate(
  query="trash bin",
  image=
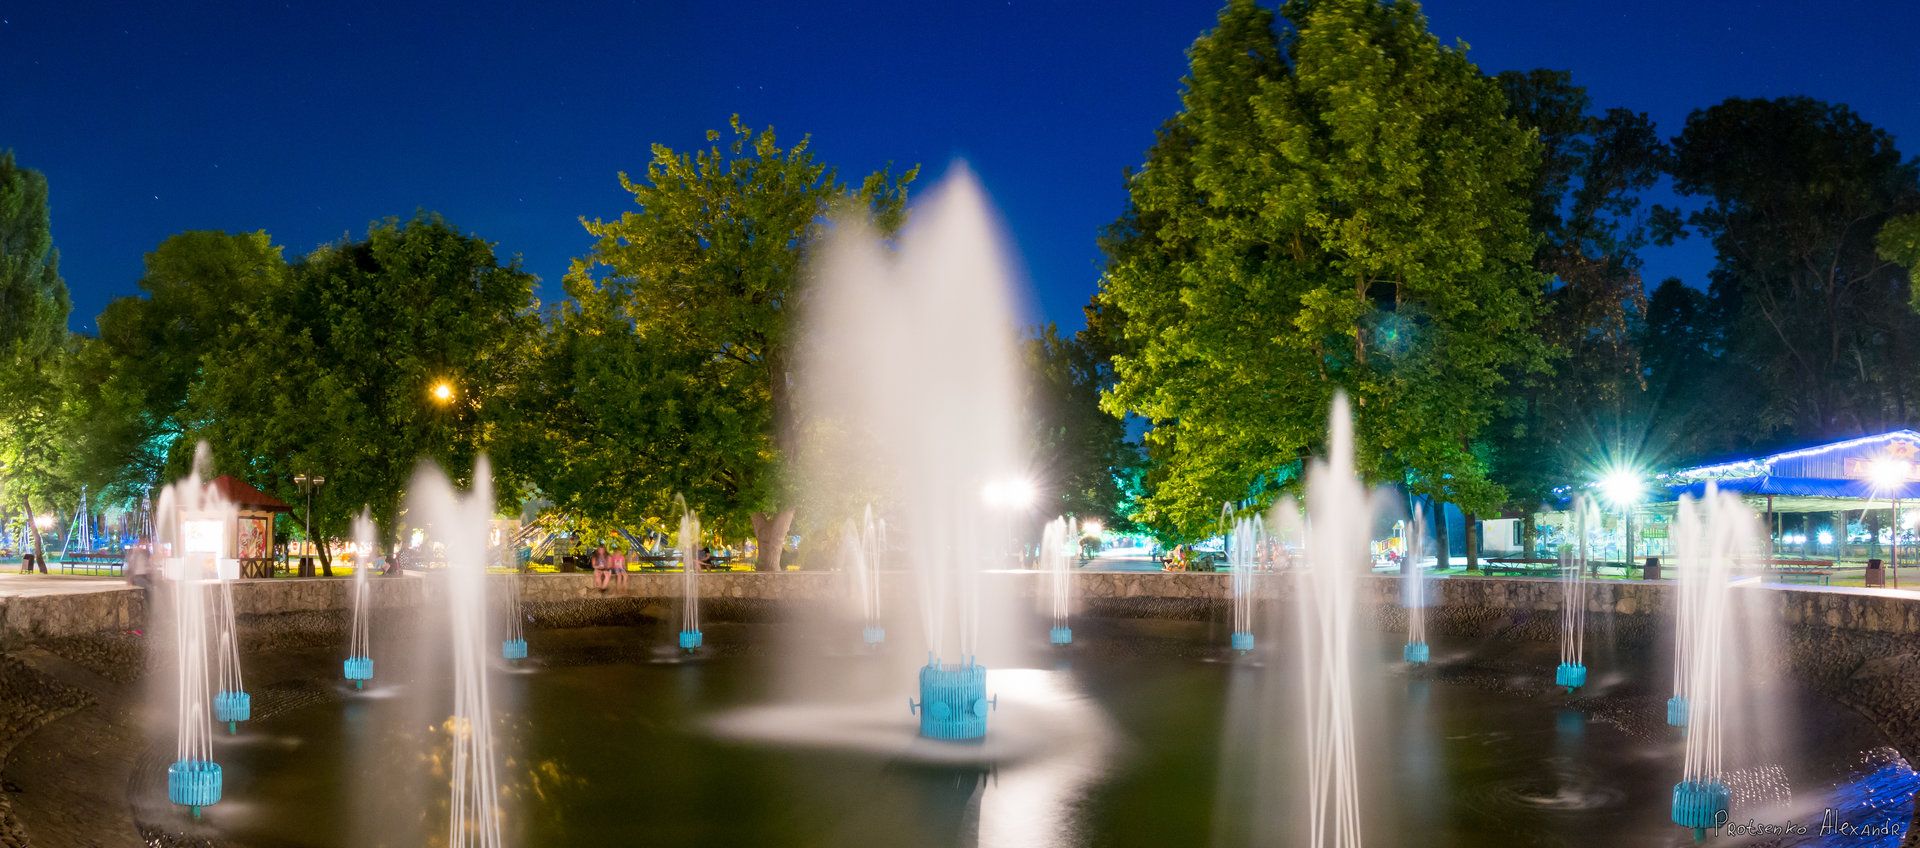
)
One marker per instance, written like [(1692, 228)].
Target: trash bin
[(1651, 571), (1876, 573)]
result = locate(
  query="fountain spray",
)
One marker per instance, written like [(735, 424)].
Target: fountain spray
[(1059, 547), (359, 662), (1413, 594), (1243, 553), (690, 638), (1707, 537), (1572, 671)]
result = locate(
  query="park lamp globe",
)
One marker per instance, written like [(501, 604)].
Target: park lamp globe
[(1009, 493), (1621, 487)]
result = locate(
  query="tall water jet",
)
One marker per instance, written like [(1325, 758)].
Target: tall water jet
[(690, 637), (231, 703), (1572, 671), (1413, 592), (513, 644), (459, 524), (1707, 536), (359, 663), (193, 532), (910, 367), (1059, 548), (1243, 554), (864, 544), (1336, 554)]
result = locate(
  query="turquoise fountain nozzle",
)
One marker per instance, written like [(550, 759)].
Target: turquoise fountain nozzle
[(1060, 636), (232, 708), (953, 701), (359, 670), (691, 640), (513, 649), (1570, 675), (1416, 653), (193, 784), (1241, 641), (873, 635), (1700, 804), (1677, 711)]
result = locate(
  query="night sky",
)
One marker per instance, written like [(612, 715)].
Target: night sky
[(309, 120)]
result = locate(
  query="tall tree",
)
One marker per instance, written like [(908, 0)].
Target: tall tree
[(1796, 191), (378, 354), (1089, 465), (1588, 410), (702, 275), (34, 445), (1290, 236), (197, 289)]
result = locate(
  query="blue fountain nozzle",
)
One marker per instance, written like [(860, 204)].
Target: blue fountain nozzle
[(359, 669), (193, 783), (1677, 708), (513, 649), (873, 634), (1570, 675), (1700, 804), (232, 707), (691, 640), (1060, 636), (1241, 641), (1416, 653), (953, 701)]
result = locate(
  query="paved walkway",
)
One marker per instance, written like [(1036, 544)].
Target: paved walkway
[(16, 585)]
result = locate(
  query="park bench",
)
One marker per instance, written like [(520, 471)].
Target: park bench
[(1794, 570), (1524, 566), (91, 563)]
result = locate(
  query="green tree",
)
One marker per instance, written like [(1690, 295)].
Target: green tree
[(1344, 209), (34, 348), (1588, 411), (336, 373), (198, 288), (1088, 463), (701, 275), (1796, 191)]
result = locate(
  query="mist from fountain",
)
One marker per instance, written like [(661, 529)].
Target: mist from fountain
[(864, 545), (1059, 550), (690, 635), (1336, 555), (908, 360), (358, 666), (193, 534), (1244, 544), (459, 523), (1708, 536), (1413, 589), (1574, 563)]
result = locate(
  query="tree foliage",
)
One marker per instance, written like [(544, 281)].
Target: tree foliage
[(1796, 191), (35, 351), (667, 373), (1088, 464), (333, 373), (1344, 209)]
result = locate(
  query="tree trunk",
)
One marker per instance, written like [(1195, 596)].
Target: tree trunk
[(1413, 530), (1470, 536), (770, 536), (1838, 527), (1442, 559), (1529, 536), (33, 532), (1873, 533), (326, 556)]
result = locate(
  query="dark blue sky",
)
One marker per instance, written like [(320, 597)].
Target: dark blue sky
[(310, 119)]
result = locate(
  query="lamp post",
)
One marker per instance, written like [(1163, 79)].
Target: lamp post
[(1890, 476), (308, 484)]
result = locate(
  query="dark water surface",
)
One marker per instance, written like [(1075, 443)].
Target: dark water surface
[(1142, 734)]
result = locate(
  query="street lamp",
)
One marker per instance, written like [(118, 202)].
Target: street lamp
[(1623, 488), (308, 484), (1890, 476), (442, 392)]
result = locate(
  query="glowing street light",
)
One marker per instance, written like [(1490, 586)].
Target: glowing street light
[(1622, 487), (1890, 475), (1009, 493), (1092, 527), (442, 392)]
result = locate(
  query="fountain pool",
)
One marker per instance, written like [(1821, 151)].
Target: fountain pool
[(620, 738)]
